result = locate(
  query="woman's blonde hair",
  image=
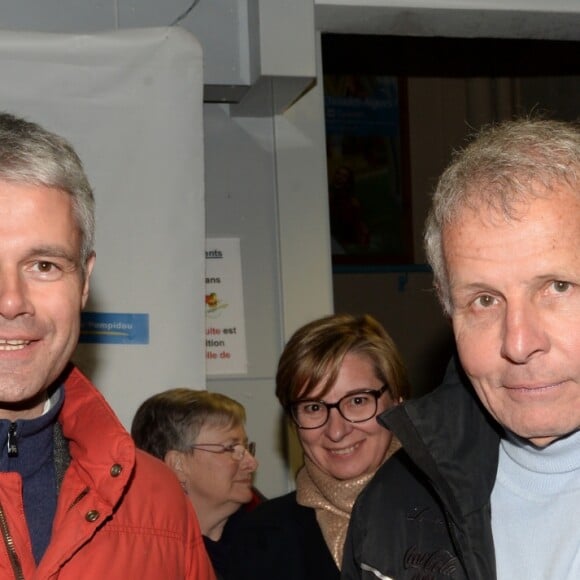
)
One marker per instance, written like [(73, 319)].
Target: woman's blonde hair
[(315, 352)]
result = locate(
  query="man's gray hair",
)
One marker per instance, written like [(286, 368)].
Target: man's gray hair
[(504, 164), (32, 155)]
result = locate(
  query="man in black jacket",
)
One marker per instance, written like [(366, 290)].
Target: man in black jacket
[(488, 482)]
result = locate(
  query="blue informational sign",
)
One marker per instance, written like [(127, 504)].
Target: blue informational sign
[(114, 328), (371, 108)]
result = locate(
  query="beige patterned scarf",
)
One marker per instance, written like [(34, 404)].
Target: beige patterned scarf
[(332, 500)]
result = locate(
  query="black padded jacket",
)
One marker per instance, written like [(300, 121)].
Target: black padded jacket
[(426, 513)]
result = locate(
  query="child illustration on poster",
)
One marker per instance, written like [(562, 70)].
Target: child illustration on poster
[(225, 340)]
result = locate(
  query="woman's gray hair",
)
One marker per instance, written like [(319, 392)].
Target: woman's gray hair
[(32, 155), (172, 420), (505, 164)]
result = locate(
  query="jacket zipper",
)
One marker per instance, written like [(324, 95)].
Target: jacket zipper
[(9, 543), (11, 442), (4, 528)]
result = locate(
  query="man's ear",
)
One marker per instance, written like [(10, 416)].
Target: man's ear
[(444, 300), (87, 278)]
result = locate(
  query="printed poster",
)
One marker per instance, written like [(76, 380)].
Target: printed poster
[(225, 331), (369, 196)]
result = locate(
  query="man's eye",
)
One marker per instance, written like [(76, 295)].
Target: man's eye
[(45, 270), (45, 266), (561, 286), (484, 301)]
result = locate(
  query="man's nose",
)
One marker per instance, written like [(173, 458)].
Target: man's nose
[(14, 294), (524, 335)]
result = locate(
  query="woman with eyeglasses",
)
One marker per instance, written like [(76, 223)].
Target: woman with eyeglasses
[(335, 375), (201, 437)]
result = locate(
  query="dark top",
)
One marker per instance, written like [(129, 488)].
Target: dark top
[(280, 539), (27, 447), (218, 552)]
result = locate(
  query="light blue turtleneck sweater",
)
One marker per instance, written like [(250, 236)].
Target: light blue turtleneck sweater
[(535, 506)]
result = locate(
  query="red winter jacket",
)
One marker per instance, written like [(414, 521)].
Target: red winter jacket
[(121, 514)]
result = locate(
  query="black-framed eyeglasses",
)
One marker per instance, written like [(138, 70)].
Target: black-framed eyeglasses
[(237, 450), (355, 407)]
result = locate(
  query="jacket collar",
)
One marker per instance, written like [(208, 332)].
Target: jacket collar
[(452, 438), (96, 438)]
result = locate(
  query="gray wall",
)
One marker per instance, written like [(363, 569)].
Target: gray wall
[(266, 183)]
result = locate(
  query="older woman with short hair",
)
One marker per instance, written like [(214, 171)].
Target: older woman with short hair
[(334, 376), (201, 437)]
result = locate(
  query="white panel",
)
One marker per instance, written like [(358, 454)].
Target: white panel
[(287, 38), (223, 27), (535, 5), (131, 104), (58, 15), (556, 20)]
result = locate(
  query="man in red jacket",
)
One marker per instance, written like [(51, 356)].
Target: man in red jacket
[(77, 500)]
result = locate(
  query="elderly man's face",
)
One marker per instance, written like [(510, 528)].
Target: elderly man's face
[(515, 291), (42, 291)]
